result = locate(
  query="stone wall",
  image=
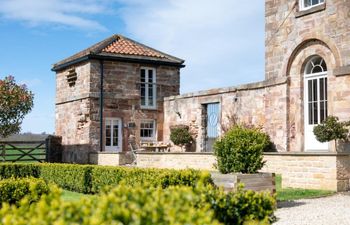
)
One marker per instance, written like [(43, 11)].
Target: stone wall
[(288, 29), (260, 104), (77, 106), (110, 158), (176, 160), (328, 171)]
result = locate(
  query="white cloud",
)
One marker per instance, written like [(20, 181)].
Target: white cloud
[(60, 12), (222, 41)]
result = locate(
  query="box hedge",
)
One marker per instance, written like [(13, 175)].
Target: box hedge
[(92, 178), (12, 190), (138, 205)]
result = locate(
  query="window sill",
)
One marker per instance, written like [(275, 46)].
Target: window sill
[(148, 108), (312, 10)]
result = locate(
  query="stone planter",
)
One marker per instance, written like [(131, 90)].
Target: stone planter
[(255, 182)]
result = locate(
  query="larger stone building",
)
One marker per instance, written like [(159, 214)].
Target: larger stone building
[(307, 78)]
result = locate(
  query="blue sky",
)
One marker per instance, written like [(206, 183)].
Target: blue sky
[(222, 43)]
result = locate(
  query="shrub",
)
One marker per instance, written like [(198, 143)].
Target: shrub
[(241, 206), (92, 178), (12, 190), (331, 129), (180, 135), (139, 205), (241, 150), (8, 170)]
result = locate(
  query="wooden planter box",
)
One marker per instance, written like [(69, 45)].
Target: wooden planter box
[(255, 182)]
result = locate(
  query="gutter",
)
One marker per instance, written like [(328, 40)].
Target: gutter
[(114, 58), (101, 105)]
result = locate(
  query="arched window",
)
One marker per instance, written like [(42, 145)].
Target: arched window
[(316, 65)]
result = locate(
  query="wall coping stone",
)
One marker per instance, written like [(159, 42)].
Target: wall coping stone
[(107, 153), (173, 153), (250, 86), (265, 153), (307, 154)]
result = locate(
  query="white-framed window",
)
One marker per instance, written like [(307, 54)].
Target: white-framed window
[(148, 88), (148, 130), (113, 134), (307, 4)]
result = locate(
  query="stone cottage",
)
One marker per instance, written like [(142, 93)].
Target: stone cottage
[(307, 78), (110, 91)]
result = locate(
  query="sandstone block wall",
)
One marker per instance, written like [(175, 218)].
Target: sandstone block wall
[(260, 104), (309, 171), (77, 106)]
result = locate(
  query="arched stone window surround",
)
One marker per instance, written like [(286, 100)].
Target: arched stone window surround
[(306, 43), (295, 89)]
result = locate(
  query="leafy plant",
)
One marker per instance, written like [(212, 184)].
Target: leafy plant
[(93, 178), (124, 204), (15, 102), (13, 190), (180, 135), (331, 129), (241, 150)]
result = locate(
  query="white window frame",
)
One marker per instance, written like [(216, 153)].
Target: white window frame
[(154, 137), (302, 5), (147, 85), (120, 136)]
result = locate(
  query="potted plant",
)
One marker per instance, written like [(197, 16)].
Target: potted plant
[(180, 136), (332, 129), (239, 156)]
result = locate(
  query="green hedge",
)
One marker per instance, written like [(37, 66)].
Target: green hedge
[(12, 190), (145, 206), (92, 178)]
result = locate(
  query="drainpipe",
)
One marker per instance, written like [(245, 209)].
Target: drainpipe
[(101, 105)]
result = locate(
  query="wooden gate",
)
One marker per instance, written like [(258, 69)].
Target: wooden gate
[(48, 150)]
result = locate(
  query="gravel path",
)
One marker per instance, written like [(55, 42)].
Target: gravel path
[(333, 210)]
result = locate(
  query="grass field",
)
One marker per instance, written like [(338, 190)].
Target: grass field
[(285, 194)]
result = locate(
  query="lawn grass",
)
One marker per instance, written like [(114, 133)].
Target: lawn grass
[(71, 196), (285, 194)]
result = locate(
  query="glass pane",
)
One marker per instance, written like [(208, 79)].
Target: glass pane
[(317, 69), (322, 111), (325, 88), (309, 88), (315, 2), (322, 89), (307, 3), (143, 94), (315, 112), (314, 88), (115, 134), (143, 75), (310, 113), (150, 76)]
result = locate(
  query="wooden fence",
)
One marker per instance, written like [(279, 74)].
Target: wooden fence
[(48, 150)]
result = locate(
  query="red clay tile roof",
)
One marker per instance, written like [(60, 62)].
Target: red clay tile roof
[(120, 47), (127, 47)]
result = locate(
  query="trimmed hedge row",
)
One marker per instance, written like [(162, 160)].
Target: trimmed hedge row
[(124, 204), (91, 179), (13, 190)]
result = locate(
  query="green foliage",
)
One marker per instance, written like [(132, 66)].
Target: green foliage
[(241, 150), (180, 135), (15, 102), (137, 205), (331, 129), (12, 190), (241, 206), (92, 178)]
